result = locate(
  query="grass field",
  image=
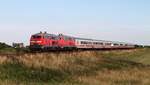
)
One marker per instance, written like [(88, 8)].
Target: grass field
[(119, 67)]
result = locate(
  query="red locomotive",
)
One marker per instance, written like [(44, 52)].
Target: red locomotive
[(66, 42), (45, 41)]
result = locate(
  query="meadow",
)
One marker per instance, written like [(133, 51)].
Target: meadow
[(116, 67)]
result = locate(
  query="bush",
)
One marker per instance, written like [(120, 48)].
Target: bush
[(6, 49)]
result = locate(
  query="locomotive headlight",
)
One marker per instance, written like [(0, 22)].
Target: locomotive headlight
[(35, 41), (32, 41), (38, 41)]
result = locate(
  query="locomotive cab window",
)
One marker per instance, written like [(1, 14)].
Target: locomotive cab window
[(36, 37)]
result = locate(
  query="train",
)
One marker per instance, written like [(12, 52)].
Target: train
[(45, 42)]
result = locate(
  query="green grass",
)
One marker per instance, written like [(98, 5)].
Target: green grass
[(119, 67), (20, 73), (139, 55)]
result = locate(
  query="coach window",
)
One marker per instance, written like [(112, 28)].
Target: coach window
[(85, 42), (115, 44), (100, 43), (121, 44), (108, 43), (95, 43), (82, 42)]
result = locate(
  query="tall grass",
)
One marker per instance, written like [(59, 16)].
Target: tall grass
[(121, 67)]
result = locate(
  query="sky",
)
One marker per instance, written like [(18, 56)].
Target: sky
[(115, 20)]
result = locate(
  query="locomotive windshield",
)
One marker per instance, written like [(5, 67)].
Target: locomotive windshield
[(36, 36)]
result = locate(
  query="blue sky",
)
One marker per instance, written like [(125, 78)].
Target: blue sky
[(116, 20)]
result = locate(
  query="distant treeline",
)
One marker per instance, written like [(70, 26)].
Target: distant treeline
[(147, 46), (7, 49), (4, 45), (142, 46)]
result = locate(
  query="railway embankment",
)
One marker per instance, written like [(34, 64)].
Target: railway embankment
[(127, 67)]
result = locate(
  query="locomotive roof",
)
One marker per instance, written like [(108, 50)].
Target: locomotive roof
[(65, 35), (45, 34)]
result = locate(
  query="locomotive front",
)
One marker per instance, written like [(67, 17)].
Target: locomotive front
[(43, 41), (36, 42)]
